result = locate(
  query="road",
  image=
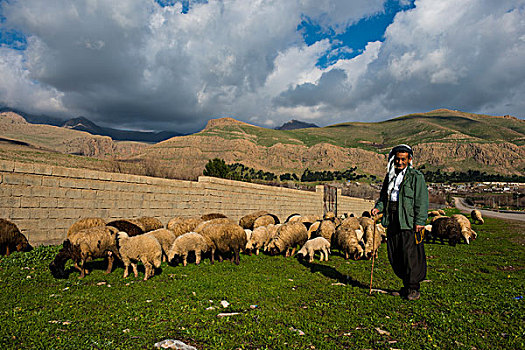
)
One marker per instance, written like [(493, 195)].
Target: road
[(464, 207)]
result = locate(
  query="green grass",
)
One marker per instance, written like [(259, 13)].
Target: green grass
[(473, 299)]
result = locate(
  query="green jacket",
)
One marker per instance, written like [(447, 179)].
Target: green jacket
[(413, 200)]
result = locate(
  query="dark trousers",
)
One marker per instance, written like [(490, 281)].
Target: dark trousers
[(406, 255)]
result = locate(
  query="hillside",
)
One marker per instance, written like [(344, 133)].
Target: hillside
[(442, 139)]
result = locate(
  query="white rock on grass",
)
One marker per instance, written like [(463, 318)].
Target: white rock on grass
[(173, 344)]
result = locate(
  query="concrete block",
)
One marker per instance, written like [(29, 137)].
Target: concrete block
[(42, 169), (9, 202), (7, 165)]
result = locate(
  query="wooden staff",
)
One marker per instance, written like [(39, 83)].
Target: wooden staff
[(376, 217)]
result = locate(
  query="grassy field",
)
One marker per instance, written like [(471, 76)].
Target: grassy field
[(473, 299)]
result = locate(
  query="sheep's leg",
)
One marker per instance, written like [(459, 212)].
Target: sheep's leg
[(212, 259), (7, 252), (346, 255), (148, 269), (126, 269), (287, 253), (257, 251), (135, 270), (293, 251), (322, 255), (184, 259), (237, 257), (110, 263), (197, 257), (82, 270)]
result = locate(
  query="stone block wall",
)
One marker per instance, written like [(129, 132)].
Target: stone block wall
[(43, 201)]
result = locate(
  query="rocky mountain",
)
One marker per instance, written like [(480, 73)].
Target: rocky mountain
[(84, 124), (296, 124)]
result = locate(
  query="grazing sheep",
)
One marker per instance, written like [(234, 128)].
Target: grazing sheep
[(466, 229), (258, 238), (131, 227), (12, 239), (180, 226), (326, 229), (372, 243), (329, 215), (451, 228), (346, 238), (306, 220), (288, 237), (312, 230), (477, 218), (188, 242), (248, 234), (165, 238), (248, 220), (223, 236), (272, 233), (265, 220), (319, 244), (434, 213), (85, 245), (144, 248), (85, 223), (149, 223), (211, 216)]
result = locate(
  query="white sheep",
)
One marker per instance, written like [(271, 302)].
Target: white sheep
[(313, 245), (165, 237), (288, 236), (347, 238), (477, 218), (145, 248), (188, 242)]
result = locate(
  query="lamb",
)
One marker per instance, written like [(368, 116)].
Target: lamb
[(346, 238), (223, 236), (165, 238), (180, 226), (477, 218), (11, 239), (188, 242), (131, 227), (145, 248), (319, 244), (85, 245), (85, 223), (288, 237), (149, 223)]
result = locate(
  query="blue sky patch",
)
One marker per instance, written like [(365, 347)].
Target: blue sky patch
[(353, 41)]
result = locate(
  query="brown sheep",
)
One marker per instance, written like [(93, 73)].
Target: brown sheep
[(248, 220), (85, 223), (188, 242), (259, 237), (211, 216), (346, 239), (85, 245), (326, 230), (476, 216), (306, 220), (11, 239), (223, 237), (288, 237), (180, 225), (445, 227), (144, 248), (149, 223), (265, 220), (130, 226)]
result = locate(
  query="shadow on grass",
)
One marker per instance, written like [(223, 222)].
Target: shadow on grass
[(332, 273)]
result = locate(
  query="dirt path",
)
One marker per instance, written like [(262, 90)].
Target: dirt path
[(464, 207)]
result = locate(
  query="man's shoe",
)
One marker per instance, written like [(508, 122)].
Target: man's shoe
[(402, 292), (413, 294)]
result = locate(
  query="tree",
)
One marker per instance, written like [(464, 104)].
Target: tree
[(217, 168)]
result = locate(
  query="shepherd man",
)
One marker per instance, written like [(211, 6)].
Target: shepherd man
[(404, 203)]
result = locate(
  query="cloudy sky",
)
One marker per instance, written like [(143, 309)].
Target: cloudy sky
[(173, 65)]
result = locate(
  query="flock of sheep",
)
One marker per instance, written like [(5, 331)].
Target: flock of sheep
[(146, 240)]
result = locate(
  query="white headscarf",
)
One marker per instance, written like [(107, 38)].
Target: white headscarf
[(391, 170)]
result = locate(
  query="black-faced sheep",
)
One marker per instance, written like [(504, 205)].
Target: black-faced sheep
[(346, 239), (318, 244), (144, 248), (131, 227), (180, 225), (223, 236), (85, 245), (85, 223), (188, 242), (165, 238), (149, 223), (477, 218), (288, 237), (11, 239)]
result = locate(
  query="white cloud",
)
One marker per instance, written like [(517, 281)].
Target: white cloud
[(135, 64)]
